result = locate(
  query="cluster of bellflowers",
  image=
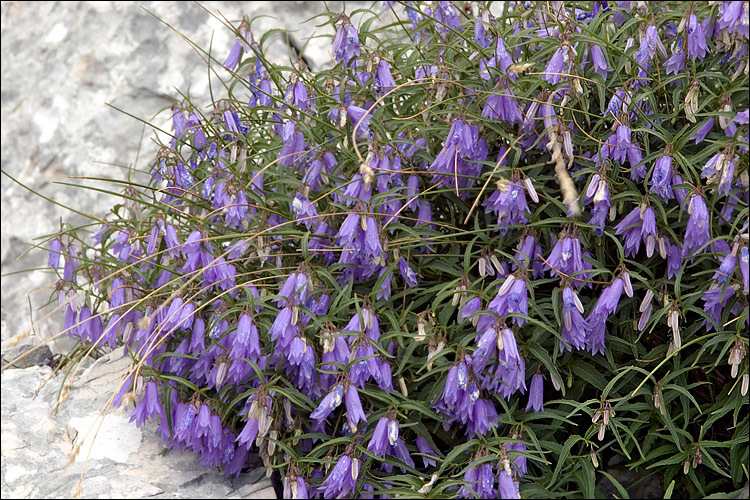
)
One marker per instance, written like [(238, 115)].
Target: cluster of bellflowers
[(269, 287)]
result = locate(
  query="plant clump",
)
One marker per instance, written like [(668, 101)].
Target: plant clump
[(486, 252)]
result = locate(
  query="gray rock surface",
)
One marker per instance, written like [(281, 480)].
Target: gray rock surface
[(123, 461)]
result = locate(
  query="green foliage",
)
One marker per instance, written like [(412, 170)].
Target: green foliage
[(662, 399)]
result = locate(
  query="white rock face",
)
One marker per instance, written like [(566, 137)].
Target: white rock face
[(124, 462), (116, 438)]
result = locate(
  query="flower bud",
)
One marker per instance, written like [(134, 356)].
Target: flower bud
[(594, 458), (530, 189), (646, 300), (644, 317), (691, 101), (555, 383), (593, 186), (482, 266), (402, 386), (506, 285), (736, 355), (421, 335)]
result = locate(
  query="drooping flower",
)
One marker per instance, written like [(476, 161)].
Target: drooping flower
[(559, 63), (361, 120), (574, 326), (696, 46), (409, 276), (621, 148), (599, 61), (383, 78), (379, 439), (511, 298), (639, 225), (735, 18), (598, 192), (720, 170), (597, 319), (54, 253), (340, 482), (726, 268), (329, 403), (238, 48), (470, 479), (536, 393), (459, 162), (354, 408), (296, 95), (697, 233), (715, 298), (304, 210), (566, 257), (676, 63), (508, 487), (148, 406), (502, 105), (661, 179), (703, 131), (509, 202), (346, 44), (425, 449)]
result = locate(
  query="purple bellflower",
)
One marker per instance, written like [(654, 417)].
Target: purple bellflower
[(715, 298), (598, 192), (703, 131), (574, 326), (354, 408), (597, 320), (509, 203), (511, 298), (639, 225), (697, 233), (379, 438), (745, 269), (734, 18), (383, 78), (726, 268), (346, 45), (329, 403), (566, 257), (599, 61), (536, 393), (661, 179), (425, 449), (360, 119), (508, 487), (501, 105), (148, 406), (54, 253), (559, 63), (341, 481), (696, 46)]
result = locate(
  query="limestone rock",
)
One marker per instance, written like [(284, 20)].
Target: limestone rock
[(123, 462)]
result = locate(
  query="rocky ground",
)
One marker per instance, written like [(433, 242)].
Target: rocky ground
[(62, 63), (123, 460)]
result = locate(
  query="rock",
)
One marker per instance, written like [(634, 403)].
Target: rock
[(124, 461)]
